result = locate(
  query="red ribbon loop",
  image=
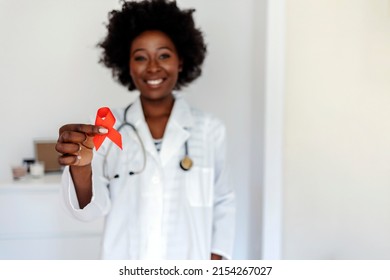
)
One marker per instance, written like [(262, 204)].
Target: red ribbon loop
[(105, 118)]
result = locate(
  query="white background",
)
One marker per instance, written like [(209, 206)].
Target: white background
[(337, 130)]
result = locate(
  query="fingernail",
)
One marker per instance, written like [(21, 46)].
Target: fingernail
[(103, 130)]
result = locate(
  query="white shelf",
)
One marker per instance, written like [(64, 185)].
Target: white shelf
[(34, 225), (48, 181)]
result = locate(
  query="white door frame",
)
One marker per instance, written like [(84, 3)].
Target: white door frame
[(273, 131)]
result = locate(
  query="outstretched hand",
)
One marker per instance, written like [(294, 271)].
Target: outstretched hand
[(75, 143)]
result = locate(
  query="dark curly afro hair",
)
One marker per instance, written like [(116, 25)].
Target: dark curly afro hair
[(136, 17)]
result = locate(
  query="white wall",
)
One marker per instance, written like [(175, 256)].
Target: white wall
[(49, 71), (50, 76), (337, 130)]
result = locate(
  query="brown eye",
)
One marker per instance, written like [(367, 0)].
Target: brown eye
[(164, 56), (139, 58)]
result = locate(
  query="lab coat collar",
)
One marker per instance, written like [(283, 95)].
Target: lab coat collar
[(135, 114), (177, 131), (181, 112), (175, 135)]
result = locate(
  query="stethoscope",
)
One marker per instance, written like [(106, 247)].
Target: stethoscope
[(185, 164)]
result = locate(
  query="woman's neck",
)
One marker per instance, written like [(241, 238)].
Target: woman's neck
[(157, 114), (157, 108)]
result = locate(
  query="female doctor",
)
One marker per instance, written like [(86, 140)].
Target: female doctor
[(165, 195)]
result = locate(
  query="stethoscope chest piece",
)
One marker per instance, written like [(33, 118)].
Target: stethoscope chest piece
[(186, 163)]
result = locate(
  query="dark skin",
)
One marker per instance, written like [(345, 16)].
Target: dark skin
[(154, 67), (157, 115), (75, 143)]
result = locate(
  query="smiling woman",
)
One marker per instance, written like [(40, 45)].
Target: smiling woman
[(164, 211), (154, 68), (154, 64), (164, 16)]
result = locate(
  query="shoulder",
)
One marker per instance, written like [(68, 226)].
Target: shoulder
[(207, 118), (211, 125)]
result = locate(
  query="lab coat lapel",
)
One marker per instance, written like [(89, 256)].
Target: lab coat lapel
[(136, 117), (177, 130)]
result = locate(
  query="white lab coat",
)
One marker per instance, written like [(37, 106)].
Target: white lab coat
[(164, 212)]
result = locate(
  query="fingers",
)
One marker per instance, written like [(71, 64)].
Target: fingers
[(79, 133), (69, 160), (72, 137), (68, 148), (70, 153), (89, 129), (74, 154), (75, 143)]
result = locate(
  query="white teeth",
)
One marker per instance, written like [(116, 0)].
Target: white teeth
[(154, 82)]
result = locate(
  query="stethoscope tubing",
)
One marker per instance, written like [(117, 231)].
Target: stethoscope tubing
[(185, 163)]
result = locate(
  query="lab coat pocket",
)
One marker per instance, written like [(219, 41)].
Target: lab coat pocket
[(199, 186)]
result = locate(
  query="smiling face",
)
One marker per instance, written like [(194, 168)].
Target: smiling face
[(154, 65)]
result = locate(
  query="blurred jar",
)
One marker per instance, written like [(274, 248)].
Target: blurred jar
[(37, 169), (19, 171)]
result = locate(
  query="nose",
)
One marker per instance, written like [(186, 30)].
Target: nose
[(153, 66)]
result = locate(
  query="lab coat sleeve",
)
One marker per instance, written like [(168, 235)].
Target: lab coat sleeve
[(100, 202), (224, 198)]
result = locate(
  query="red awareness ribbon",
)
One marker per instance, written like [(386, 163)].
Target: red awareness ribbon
[(105, 118)]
